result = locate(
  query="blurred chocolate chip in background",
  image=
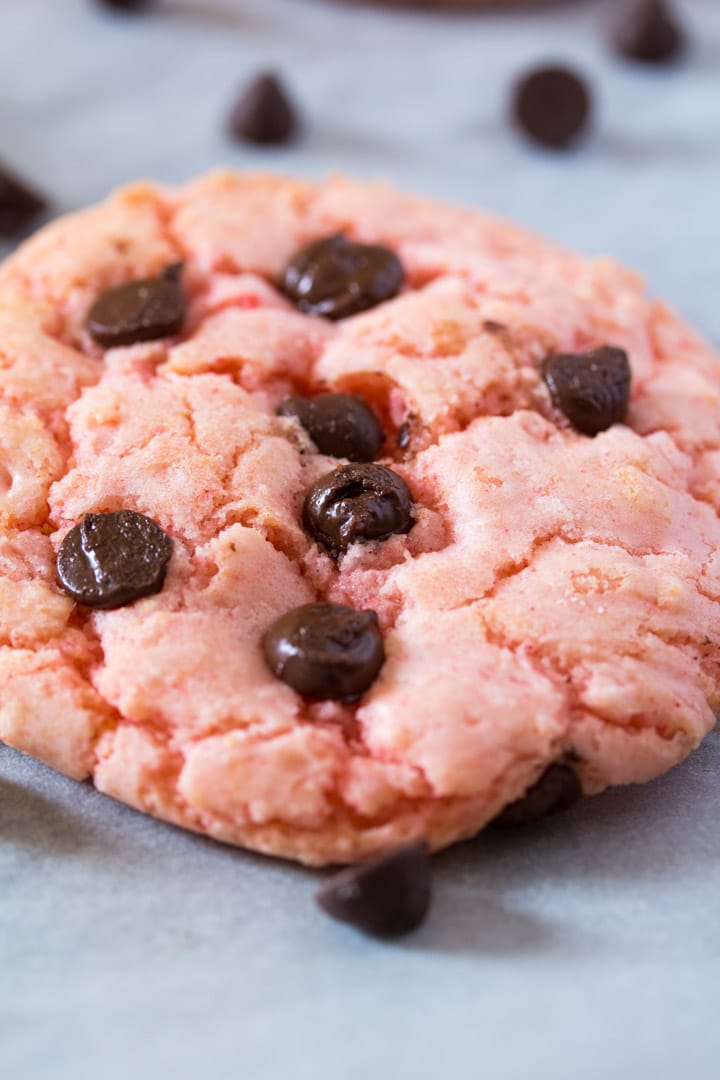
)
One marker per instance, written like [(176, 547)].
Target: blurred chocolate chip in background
[(20, 204), (648, 31), (264, 112), (125, 5), (552, 105)]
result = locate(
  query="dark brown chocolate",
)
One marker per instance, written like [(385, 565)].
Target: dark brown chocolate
[(143, 310), (592, 389), (19, 203), (335, 277), (648, 31), (388, 897), (326, 651), (357, 503), (557, 789), (109, 560), (264, 112), (552, 105), (340, 425), (126, 5)]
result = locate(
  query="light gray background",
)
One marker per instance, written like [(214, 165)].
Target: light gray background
[(584, 949)]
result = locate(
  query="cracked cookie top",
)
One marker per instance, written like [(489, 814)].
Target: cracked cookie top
[(527, 515)]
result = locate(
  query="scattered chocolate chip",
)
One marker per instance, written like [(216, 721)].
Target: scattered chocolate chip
[(552, 105), (326, 651), (341, 425), (335, 277), (19, 203), (592, 389), (387, 897), (557, 789), (648, 32), (403, 436), (139, 310), (264, 112), (108, 560), (125, 5), (357, 503)]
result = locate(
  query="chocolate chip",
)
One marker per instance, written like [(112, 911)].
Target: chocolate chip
[(264, 112), (552, 105), (131, 5), (403, 436), (139, 310), (125, 5), (592, 389), (490, 326), (387, 897), (357, 503), (326, 651), (557, 789), (19, 203), (335, 278), (108, 560), (648, 31), (341, 425)]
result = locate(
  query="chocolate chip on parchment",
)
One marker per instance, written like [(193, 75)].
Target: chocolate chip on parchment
[(648, 31), (335, 277), (326, 651), (143, 310), (19, 203), (126, 5), (264, 112), (108, 560), (552, 105), (387, 897), (557, 789), (592, 389), (357, 503), (340, 425)]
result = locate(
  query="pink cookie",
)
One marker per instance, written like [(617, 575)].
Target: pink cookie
[(544, 577)]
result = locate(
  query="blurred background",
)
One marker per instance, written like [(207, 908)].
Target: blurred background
[(587, 947), (91, 97)]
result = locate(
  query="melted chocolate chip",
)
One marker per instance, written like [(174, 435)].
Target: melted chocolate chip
[(592, 389), (341, 425), (326, 651), (357, 503), (139, 310), (108, 560), (19, 203), (552, 105), (264, 112), (388, 896), (335, 278), (557, 789), (648, 32)]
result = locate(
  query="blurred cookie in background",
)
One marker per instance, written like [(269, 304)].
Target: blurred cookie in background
[(460, 5)]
